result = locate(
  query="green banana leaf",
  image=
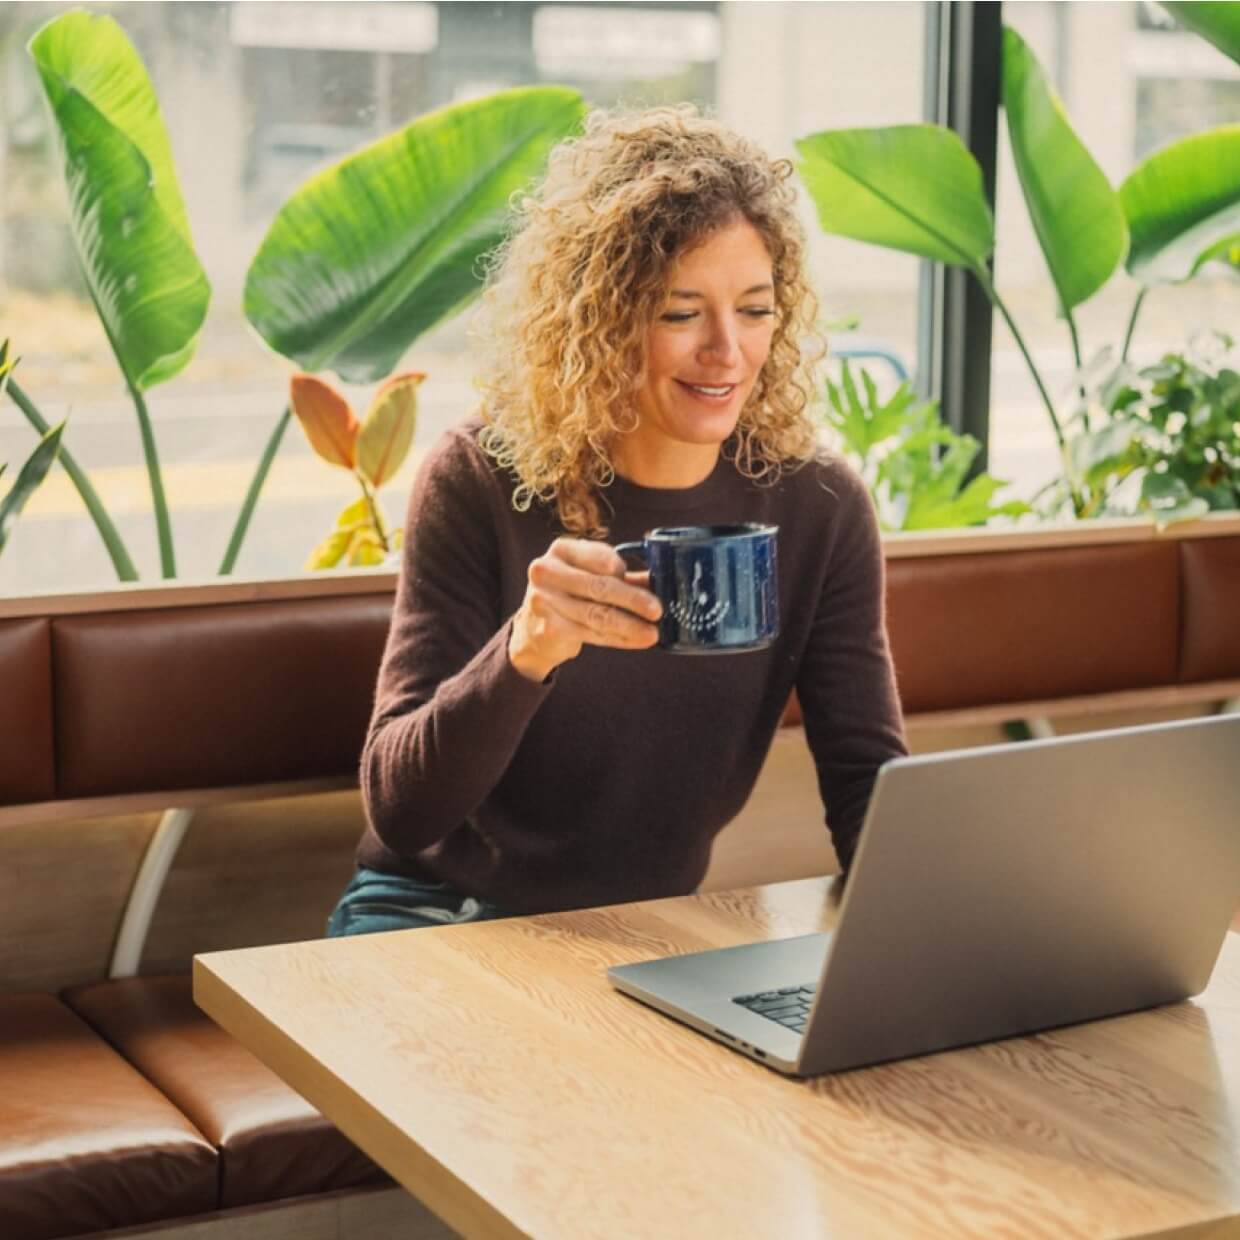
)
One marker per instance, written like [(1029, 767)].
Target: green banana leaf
[(1217, 23), (127, 215), (1076, 214), (374, 250), (1183, 206), (907, 187), (28, 479)]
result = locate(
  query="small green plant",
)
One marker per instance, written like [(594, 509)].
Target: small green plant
[(1166, 441), (914, 465)]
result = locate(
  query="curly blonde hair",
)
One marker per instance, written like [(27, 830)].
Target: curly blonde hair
[(583, 274)]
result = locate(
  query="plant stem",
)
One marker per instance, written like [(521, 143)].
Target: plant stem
[(167, 560), (163, 524), (251, 496), (1132, 323), (983, 278), (121, 562), (1076, 357), (375, 515)]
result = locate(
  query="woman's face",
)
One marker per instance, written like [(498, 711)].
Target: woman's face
[(707, 347)]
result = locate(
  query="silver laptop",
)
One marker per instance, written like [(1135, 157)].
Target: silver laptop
[(994, 892)]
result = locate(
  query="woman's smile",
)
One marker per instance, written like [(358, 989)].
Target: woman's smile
[(713, 393)]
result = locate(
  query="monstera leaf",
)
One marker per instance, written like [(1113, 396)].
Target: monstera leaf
[(908, 187), (371, 252), (1183, 206), (127, 215), (1076, 214)]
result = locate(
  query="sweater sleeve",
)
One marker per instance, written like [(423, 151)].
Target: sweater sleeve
[(846, 683), (450, 710)]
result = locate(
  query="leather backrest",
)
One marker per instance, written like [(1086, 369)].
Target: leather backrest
[(1210, 571), (27, 770), (215, 696), (1013, 626), (245, 693)]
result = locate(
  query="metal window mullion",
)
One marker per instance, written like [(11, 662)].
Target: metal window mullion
[(963, 54)]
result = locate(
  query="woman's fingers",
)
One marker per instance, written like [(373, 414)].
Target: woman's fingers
[(586, 585), (602, 624), (592, 572), (580, 591)]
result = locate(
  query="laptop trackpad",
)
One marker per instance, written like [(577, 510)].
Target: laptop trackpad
[(728, 972)]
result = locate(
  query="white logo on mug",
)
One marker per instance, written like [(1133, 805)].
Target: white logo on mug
[(698, 614)]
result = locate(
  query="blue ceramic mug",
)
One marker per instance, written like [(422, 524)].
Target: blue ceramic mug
[(717, 584)]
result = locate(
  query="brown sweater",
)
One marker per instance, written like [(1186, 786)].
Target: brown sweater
[(609, 781)]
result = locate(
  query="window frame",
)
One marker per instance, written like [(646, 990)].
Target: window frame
[(962, 90)]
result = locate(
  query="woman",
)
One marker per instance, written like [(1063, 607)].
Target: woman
[(528, 750)]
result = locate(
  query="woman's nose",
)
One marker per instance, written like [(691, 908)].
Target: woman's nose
[(722, 347)]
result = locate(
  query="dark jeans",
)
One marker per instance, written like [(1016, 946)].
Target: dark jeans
[(374, 901)]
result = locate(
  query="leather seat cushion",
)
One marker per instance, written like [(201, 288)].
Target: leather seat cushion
[(85, 1143), (272, 1143)]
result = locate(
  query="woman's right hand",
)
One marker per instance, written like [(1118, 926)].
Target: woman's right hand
[(579, 592)]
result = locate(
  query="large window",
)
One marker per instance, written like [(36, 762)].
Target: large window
[(256, 96)]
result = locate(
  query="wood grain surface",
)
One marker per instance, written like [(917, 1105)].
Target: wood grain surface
[(494, 1072)]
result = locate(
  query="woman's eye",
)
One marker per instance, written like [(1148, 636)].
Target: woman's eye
[(686, 316)]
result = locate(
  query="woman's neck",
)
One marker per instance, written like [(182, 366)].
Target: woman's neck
[(664, 469)]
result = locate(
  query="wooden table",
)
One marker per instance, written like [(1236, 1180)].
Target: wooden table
[(492, 1070)]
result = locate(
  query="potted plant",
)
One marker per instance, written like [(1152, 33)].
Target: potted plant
[(916, 188), (362, 259)]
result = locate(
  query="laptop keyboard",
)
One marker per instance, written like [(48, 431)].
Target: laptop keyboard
[(788, 1007)]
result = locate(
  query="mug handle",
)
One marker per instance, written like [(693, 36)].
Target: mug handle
[(637, 550)]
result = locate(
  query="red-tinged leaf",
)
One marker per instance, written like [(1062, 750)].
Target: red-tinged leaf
[(387, 430), (327, 418)]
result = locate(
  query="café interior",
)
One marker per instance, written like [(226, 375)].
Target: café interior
[(179, 769)]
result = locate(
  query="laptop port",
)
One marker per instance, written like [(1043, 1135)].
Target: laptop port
[(721, 1033)]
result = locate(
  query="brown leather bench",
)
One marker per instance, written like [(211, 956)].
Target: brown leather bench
[(85, 1142), (130, 1107), (123, 1105)]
